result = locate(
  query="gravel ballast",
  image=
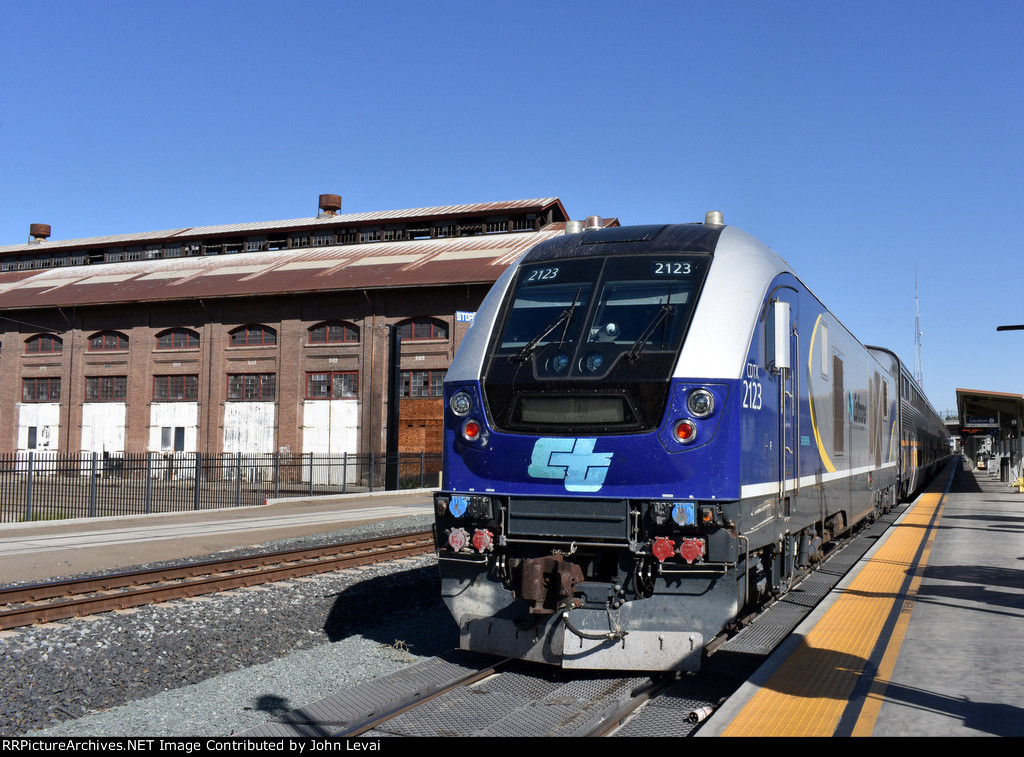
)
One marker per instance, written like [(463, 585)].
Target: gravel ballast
[(220, 664)]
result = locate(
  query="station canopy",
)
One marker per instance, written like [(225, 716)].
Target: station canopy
[(989, 413)]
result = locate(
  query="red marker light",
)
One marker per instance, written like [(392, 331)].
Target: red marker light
[(685, 432), (471, 430)]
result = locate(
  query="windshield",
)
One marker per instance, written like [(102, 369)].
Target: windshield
[(589, 344), (546, 308), (642, 306), (628, 309)]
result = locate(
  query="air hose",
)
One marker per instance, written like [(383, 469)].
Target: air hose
[(614, 635)]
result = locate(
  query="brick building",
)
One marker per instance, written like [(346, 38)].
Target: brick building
[(256, 338)]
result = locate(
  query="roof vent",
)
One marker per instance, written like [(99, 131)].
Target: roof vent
[(573, 227), (38, 232), (329, 205), (593, 222), (713, 218)]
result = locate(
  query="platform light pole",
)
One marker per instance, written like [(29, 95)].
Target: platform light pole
[(1020, 431)]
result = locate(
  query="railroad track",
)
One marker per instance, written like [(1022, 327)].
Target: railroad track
[(461, 694), (443, 701), (59, 600), (419, 699), (586, 719)]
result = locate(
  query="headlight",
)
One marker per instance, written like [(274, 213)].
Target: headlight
[(701, 403), (592, 362), (461, 403), (559, 362)]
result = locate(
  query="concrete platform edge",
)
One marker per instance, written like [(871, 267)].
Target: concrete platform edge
[(725, 714)]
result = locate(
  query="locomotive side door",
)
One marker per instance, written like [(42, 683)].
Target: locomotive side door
[(783, 353)]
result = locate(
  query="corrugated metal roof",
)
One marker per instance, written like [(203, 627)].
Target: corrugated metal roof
[(377, 217), (477, 259)]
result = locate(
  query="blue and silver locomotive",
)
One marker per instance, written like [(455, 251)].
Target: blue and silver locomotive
[(649, 429)]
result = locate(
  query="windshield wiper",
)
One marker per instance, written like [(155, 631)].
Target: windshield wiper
[(565, 317), (644, 338)]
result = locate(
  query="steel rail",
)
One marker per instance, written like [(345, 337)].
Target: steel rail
[(607, 721), (640, 696), (424, 696), (136, 588)]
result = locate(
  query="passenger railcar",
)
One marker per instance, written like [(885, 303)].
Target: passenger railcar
[(648, 429), (924, 438)]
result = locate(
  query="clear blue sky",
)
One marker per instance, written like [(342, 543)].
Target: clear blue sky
[(861, 140)]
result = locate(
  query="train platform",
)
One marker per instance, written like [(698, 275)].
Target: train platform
[(923, 638), (44, 550)]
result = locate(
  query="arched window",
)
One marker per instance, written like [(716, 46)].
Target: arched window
[(177, 339), (254, 335), (334, 332), (43, 344), (108, 341), (422, 328)]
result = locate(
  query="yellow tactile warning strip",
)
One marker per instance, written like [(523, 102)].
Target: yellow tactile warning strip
[(834, 682)]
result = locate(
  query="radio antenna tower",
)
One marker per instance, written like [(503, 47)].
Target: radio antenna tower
[(918, 367)]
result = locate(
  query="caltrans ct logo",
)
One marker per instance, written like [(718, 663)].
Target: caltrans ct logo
[(572, 461)]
